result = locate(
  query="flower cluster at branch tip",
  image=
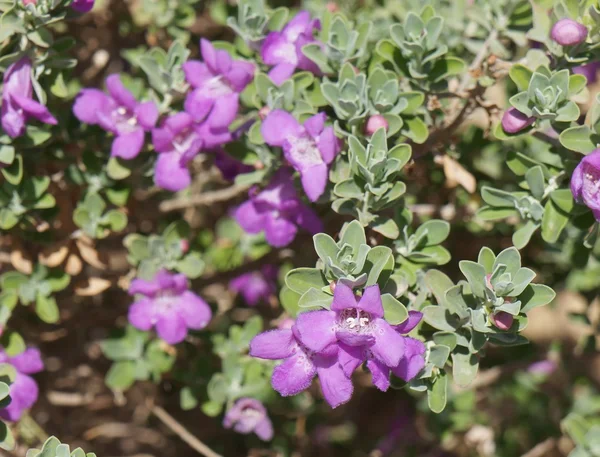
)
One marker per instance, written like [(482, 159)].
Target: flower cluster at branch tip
[(24, 390), (167, 303), (284, 49), (249, 415), (256, 286), (277, 211), (18, 105), (585, 182), (309, 148), (117, 112), (513, 121), (334, 343), (568, 32)]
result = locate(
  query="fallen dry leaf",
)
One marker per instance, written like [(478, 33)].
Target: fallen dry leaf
[(457, 174), (92, 286)]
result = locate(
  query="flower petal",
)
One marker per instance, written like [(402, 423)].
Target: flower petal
[(198, 105), (314, 125), (249, 218), (264, 429), (414, 317), (29, 361), (196, 73), (171, 327), (335, 385), (350, 358), (343, 297), (381, 374), (128, 145), (316, 329), (89, 103), (224, 111), (141, 314), (355, 339), (117, 90), (329, 145), (389, 344), (413, 361), (195, 311), (35, 109), (141, 286), (281, 72), (273, 345), (370, 301), (170, 173), (147, 114), (308, 219), (294, 375), (314, 180), (278, 126), (279, 231), (23, 393)]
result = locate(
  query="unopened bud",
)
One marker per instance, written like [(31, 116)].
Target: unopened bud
[(184, 245), (514, 121), (502, 320), (568, 32), (374, 123), (263, 112), (332, 286)]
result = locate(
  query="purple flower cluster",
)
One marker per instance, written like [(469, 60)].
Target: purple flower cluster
[(24, 391), (284, 49), (332, 344), (585, 182), (309, 148), (277, 211), (18, 105), (256, 286), (249, 416), (209, 110), (166, 302)]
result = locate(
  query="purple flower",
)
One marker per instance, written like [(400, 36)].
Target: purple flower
[(18, 106), (229, 166), (119, 113), (277, 211), (309, 148), (217, 83), (544, 367), (590, 71), (257, 285), (24, 391), (568, 32), (284, 49), (361, 331), (374, 123), (502, 320), (177, 141), (169, 305), (514, 121), (249, 415), (82, 6), (585, 182), (301, 364)]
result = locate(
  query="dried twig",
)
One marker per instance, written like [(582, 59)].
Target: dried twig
[(182, 432), (204, 199), (541, 449)]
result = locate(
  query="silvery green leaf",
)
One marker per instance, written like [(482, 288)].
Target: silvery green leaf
[(456, 303), (510, 307), (315, 298), (438, 355), (522, 236), (475, 275), (521, 102), (394, 311), (353, 234), (379, 265), (464, 367), (437, 394), (568, 112), (447, 339), (511, 258), (535, 180), (535, 295), (301, 280), (438, 283), (440, 318), (553, 222)]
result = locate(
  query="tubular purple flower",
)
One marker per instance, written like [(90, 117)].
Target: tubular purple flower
[(284, 49), (82, 6), (18, 105), (217, 83), (177, 141), (514, 121), (360, 331), (502, 320), (257, 285), (119, 113), (309, 148), (247, 416), (277, 211), (166, 302), (301, 364), (24, 391), (568, 32), (585, 182)]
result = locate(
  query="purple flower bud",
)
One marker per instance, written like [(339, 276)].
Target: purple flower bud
[(585, 182), (502, 320), (514, 121), (589, 70), (545, 367), (82, 6), (247, 416), (24, 390), (375, 123), (568, 32), (29, 2)]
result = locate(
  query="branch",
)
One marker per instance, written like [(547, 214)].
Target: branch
[(182, 432), (204, 199)]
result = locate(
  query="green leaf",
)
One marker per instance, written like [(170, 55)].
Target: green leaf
[(47, 309), (393, 311), (448, 339), (438, 283), (117, 169), (521, 237), (563, 199), (509, 257), (379, 266), (497, 197), (386, 226), (535, 295), (315, 298), (553, 222), (191, 265), (353, 234), (521, 75), (487, 213), (437, 231), (535, 180), (121, 375), (301, 280), (578, 139), (464, 367), (438, 392), (13, 343), (290, 301), (440, 318), (14, 173), (475, 275), (486, 258)]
